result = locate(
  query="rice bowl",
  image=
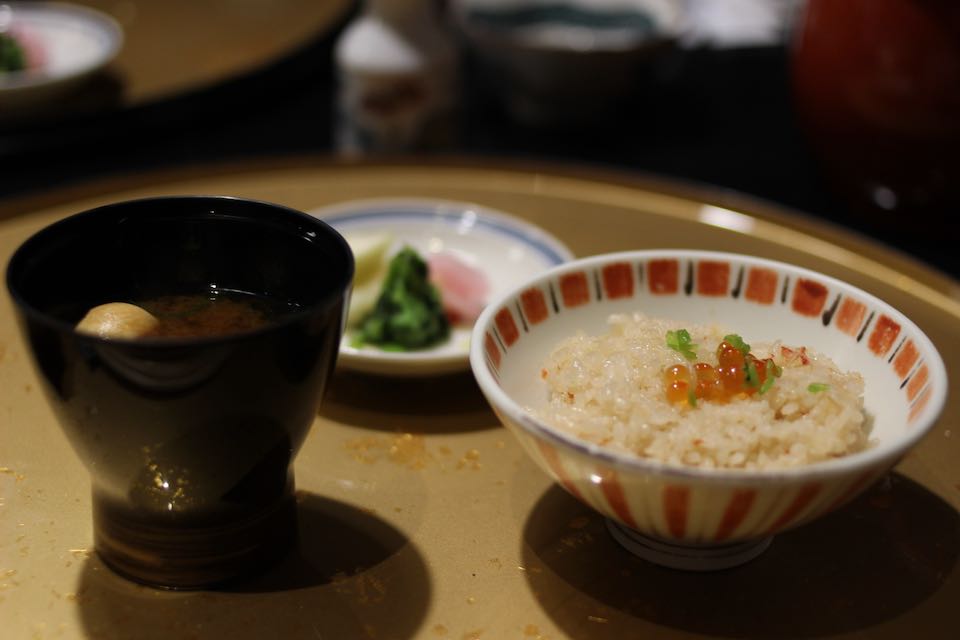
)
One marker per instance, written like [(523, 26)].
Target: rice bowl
[(683, 507)]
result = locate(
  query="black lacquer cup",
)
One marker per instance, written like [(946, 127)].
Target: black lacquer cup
[(189, 441)]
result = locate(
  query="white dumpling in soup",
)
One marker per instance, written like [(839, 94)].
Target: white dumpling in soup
[(118, 320)]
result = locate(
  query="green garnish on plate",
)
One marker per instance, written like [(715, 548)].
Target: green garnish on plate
[(408, 314), (12, 57), (773, 372), (817, 387), (752, 376), (681, 342), (737, 343)]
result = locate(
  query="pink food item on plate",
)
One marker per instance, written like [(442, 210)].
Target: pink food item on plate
[(463, 288), (32, 45)]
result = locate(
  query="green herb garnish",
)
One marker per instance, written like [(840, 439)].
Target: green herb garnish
[(737, 343), (773, 372), (691, 398), (817, 387), (752, 377), (408, 314), (680, 341)]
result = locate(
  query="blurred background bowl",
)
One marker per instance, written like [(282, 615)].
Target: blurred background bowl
[(559, 61), (72, 43), (688, 517)]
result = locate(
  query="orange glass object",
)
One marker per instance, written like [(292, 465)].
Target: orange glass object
[(877, 88)]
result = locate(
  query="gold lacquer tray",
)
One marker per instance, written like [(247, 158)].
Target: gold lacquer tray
[(420, 515)]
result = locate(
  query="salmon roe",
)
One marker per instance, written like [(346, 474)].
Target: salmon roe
[(736, 375)]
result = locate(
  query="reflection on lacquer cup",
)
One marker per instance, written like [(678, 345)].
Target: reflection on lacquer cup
[(188, 438)]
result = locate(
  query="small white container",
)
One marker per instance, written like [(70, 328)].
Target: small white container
[(397, 67)]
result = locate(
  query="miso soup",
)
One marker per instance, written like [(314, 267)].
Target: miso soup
[(211, 314)]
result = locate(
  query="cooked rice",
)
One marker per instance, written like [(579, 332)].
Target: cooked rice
[(609, 389)]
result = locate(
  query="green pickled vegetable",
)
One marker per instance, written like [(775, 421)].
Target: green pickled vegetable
[(12, 57), (408, 314)]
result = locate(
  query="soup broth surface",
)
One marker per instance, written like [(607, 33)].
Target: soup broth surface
[(211, 314)]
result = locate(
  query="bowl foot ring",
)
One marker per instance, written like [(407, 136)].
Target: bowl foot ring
[(687, 557)]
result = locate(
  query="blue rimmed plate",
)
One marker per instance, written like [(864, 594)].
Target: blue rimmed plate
[(64, 43), (506, 249)]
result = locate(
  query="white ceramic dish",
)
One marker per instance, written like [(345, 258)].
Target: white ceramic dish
[(508, 250), (75, 41), (689, 517)]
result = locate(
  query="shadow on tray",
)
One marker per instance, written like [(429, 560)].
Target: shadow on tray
[(874, 560), (353, 576), (425, 405)]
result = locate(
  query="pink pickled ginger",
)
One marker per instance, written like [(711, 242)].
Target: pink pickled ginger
[(463, 288), (32, 44)]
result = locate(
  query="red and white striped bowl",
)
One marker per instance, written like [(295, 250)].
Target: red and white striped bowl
[(905, 384)]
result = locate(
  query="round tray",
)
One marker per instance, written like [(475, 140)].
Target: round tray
[(420, 517)]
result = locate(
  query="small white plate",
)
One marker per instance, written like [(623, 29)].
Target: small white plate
[(506, 249), (75, 40)]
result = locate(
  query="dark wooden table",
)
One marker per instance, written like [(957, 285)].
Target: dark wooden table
[(720, 118)]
